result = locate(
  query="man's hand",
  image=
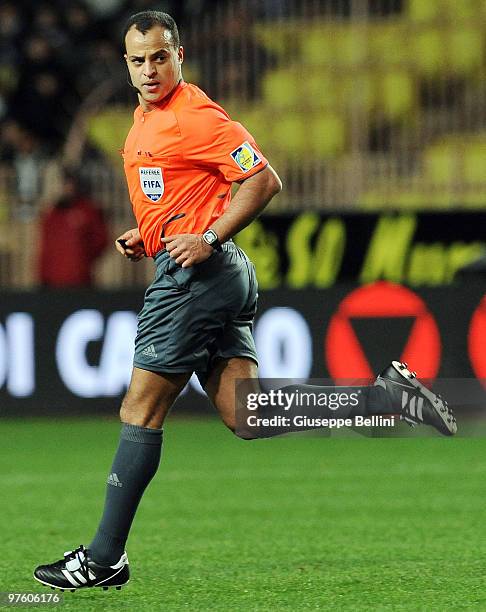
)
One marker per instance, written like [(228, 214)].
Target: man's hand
[(188, 249), (133, 249)]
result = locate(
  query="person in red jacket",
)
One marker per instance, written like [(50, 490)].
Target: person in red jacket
[(73, 235)]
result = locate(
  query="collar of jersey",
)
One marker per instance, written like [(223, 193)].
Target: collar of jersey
[(166, 101)]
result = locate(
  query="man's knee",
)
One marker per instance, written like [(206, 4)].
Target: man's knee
[(135, 412), (150, 396), (145, 410)]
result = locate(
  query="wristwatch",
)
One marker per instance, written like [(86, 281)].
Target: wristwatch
[(211, 237)]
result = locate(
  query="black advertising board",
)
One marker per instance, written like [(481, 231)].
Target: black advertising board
[(70, 352)]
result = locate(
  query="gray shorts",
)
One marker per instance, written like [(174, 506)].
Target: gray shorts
[(194, 316)]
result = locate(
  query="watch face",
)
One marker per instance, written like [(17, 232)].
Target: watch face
[(210, 237)]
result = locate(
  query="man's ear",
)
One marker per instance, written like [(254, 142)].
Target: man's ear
[(180, 54)]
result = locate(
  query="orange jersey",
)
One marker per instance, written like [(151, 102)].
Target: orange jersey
[(180, 160)]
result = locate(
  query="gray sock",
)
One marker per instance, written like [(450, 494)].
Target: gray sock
[(378, 401), (136, 462)]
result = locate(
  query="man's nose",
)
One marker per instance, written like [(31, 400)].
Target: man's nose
[(149, 69)]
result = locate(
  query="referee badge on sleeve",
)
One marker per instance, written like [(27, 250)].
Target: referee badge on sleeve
[(245, 157), (152, 183)]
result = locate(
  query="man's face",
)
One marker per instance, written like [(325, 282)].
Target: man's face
[(153, 62)]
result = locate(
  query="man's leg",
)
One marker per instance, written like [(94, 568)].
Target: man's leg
[(144, 408), (221, 388), (395, 391)]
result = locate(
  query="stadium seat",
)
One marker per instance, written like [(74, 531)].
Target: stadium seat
[(424, 10), (321, 91), (351, 45), (458, 10), (373, 70), (474, 160), (465, 45), (257, 119), (342, 46), (398, 94), (358, 90), (442, 163), (374, 199), (319, 47), (334, 90), (415, 199), (397, 197), (326, 135), (279, 37), (108, 130), (473, 189), (389, 43), (429, 51), (281, 89), (474, 198), (290, 134)]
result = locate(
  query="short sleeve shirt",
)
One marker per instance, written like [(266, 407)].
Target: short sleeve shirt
[(180, 160)]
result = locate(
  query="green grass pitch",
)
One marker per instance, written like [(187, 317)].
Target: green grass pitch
[(293, 523)]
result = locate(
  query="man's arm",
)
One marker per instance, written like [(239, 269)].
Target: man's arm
[(250, 199)]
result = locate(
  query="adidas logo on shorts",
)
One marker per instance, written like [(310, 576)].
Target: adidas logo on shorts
[(149, 351)]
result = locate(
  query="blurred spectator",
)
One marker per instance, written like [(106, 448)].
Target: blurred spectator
[(73, 235), (9, 133), (34, 104), (10, 30), (105, 63), (273, 9), (175, 8), (81, 33), (27, 161), (53, 54), (47, 24), (104, 9), (24, 152), (3, 105), (79, 24), (38, 57), (43, 100), (240, 59)]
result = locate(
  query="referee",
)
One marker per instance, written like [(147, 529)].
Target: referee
[(181, 157)]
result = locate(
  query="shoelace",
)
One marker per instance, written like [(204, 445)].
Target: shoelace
[(82, 557)]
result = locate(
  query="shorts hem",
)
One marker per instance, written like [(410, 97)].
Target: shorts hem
[(236, 355), (161, 369)]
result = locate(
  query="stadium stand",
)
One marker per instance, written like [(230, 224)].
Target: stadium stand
[(372, 105)]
